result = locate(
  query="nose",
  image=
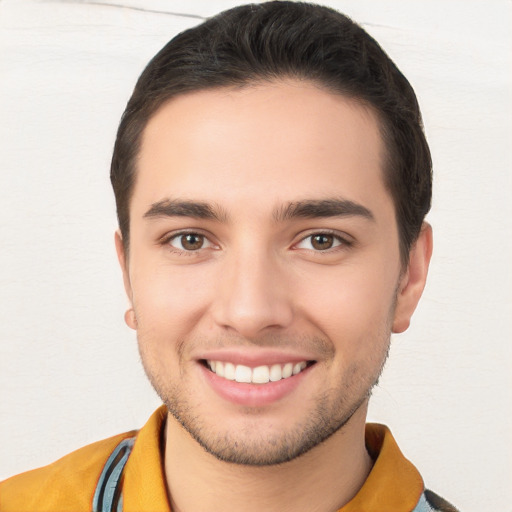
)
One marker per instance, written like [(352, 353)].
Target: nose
[(252, 295)]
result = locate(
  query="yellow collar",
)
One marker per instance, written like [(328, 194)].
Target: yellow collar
[(393, 485)]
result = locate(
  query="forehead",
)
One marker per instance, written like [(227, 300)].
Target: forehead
[(262, 144)]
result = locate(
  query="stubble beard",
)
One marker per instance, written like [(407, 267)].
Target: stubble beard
[(332, 411)]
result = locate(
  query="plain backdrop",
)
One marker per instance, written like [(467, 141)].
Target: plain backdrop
[(69, 367)]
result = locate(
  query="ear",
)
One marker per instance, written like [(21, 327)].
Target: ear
[(413, 280), (123, 262)]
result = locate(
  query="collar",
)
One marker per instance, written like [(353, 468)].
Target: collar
[(393, 485), (144, 487)]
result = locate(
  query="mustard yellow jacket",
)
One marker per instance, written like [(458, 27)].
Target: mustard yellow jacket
[(125, 473)]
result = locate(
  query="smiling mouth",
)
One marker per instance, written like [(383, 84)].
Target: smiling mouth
[(258, 375)]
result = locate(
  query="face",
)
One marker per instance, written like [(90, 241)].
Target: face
[(264, 269)]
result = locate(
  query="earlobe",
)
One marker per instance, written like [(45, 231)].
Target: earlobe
[(414, 279), (130, 319)]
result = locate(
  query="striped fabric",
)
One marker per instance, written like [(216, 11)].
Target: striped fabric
[(108, 495)]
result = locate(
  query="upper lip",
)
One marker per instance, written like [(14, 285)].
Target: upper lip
[(254, 358)]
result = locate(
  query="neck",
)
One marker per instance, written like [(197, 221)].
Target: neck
[(322, 480)]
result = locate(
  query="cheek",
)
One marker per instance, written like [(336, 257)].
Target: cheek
[(169, 300), (350, 304)]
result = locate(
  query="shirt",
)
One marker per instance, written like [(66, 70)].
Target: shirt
[(69, 484)]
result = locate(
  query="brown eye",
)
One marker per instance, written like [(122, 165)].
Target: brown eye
[(322, 242), (319, 242), (192, 241), (189, 242)]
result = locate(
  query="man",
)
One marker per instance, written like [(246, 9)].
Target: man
[(271, 179)]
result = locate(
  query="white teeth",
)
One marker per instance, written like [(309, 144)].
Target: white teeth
[(299, 367), (243, 373), (217, 367), (287, 370), (258, 375), (276, 372), (229, 371)]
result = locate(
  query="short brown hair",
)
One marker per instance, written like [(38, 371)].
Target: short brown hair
[(277, 39)]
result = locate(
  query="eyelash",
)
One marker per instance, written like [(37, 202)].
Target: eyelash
[(165, 241), (342, 242)]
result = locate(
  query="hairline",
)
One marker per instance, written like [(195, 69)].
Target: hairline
[(386, 158)]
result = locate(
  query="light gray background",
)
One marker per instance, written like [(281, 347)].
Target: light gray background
[(69, 369)]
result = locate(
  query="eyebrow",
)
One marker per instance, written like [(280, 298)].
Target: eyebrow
[(317, 208), (179, 208), (306, 209)]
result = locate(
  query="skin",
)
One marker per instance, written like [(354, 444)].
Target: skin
[(255, 285)]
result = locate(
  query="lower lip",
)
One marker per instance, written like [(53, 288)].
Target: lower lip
[(253, 395)]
